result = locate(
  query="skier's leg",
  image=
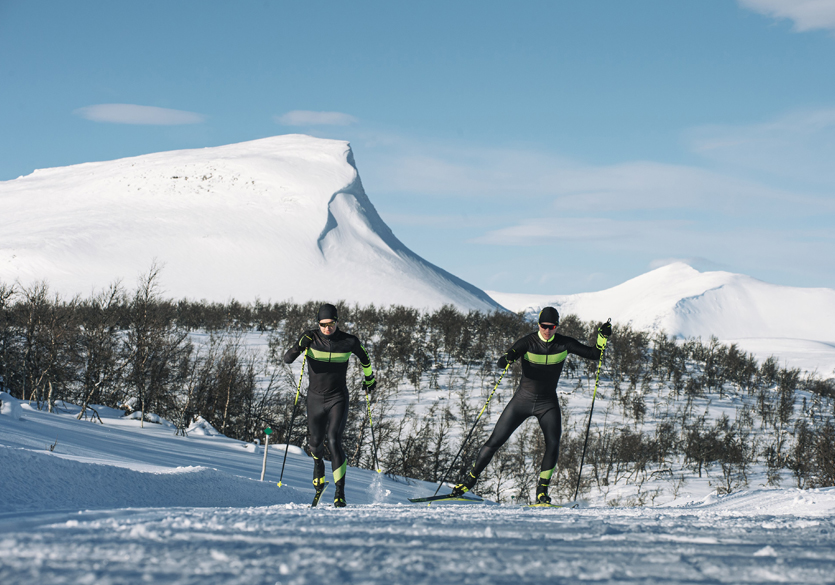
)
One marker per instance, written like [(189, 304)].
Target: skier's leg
[(550, 421), (511, 418), (514, 414), (337, 419), (317, 420)]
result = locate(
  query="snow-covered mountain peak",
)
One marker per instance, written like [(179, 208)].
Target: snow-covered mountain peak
[(277, 218), (795, 324)]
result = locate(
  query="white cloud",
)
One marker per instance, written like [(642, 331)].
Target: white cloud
[(633, 212), (133, 114), (308, 118), (435, 221), (806, 14), (539, 231), (558, 184), (799, 145)]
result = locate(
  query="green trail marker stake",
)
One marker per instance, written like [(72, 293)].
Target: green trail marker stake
[(268, 431)]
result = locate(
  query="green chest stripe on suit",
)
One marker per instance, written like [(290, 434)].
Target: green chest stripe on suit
[(327, 356), (545, 360)]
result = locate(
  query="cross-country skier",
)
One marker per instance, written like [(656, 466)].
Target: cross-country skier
[(543, 354), (328, 349)]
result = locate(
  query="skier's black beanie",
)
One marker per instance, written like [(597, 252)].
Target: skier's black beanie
[(549, 315), (327, 311)]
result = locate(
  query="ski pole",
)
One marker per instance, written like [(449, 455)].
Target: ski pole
[(373, 442), (292, 418), (483, 408), (588, 425)]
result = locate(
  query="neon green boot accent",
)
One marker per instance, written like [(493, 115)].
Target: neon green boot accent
[(465, 486), (542, 492)]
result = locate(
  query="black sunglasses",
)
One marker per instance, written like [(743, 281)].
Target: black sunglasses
[(327, 325), (547, 326)]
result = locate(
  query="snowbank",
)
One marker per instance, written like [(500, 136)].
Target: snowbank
[(202, 427), (814, 502), (34, 481), (9, 406)]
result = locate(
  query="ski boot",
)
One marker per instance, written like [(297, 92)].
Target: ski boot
[(318, 468), (319, 485), (542, 496), (464, 486), (339, 497)]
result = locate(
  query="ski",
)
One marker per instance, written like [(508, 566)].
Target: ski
[(319, 492), (447, 498), (567, 506)]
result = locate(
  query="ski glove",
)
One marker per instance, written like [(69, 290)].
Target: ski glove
[(603, 334), (503, 362), (305, 341), (370, 383)]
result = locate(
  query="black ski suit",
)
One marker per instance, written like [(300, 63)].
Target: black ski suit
[(542, 363), (327, 392)]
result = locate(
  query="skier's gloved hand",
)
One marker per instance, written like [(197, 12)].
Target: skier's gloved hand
[(305, 341), (370, 383), (503, 362), (603, 334)]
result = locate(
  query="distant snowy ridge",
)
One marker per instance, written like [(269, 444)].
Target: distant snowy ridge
[(793, 324), (279, 218)]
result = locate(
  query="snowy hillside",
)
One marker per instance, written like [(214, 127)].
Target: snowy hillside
[(116, 503), (279, 218), (796, 325)]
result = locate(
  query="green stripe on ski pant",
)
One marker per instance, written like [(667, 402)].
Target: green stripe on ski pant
[(339, 472)]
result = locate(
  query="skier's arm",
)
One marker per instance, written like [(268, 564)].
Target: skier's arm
[(304, 342), (517, 350), (365, 362), (577, 348), (592, 353)]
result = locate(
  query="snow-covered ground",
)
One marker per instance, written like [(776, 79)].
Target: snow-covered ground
[(278, 218), (752, 538), (796, 325), (116, 503)]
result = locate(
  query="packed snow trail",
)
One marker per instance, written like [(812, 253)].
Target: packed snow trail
[(403, 544), (83, 502)]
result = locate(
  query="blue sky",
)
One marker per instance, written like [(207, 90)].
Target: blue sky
[(540, 147)]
